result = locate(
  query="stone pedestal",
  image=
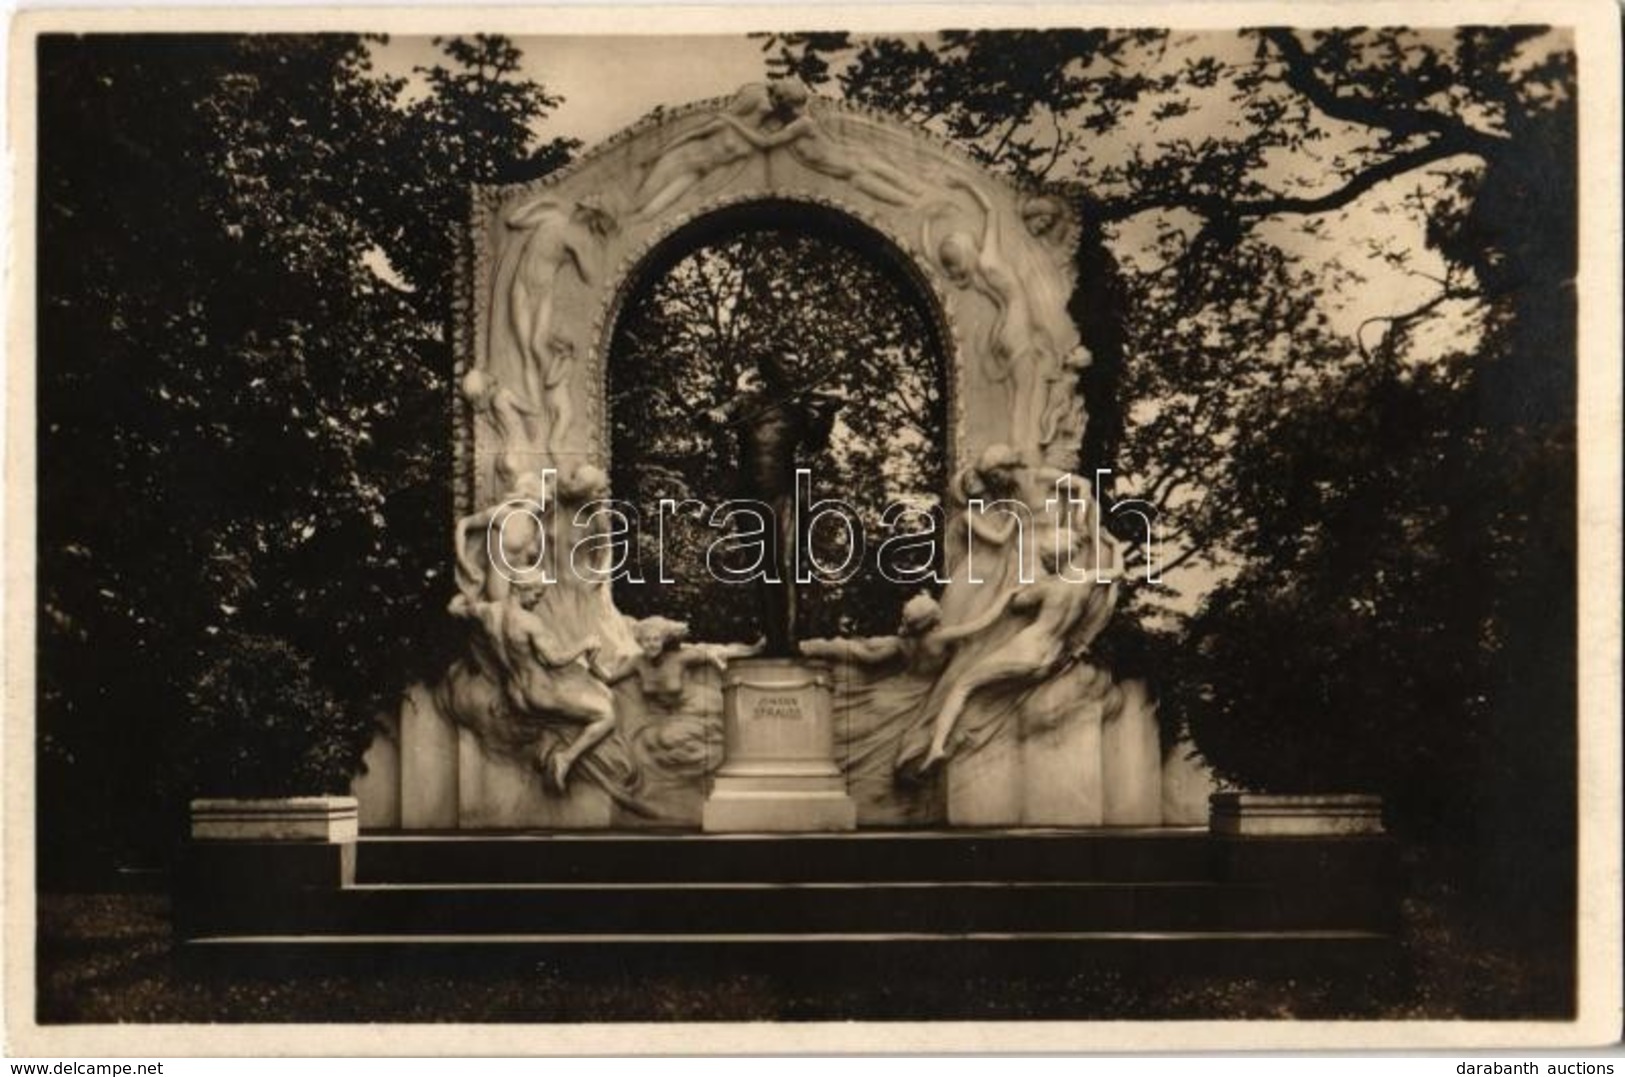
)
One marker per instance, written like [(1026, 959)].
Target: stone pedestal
[(254, 864), (330, 820), (778, 771)]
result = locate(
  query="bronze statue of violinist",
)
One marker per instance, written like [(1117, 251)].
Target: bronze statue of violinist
[(777, 423)]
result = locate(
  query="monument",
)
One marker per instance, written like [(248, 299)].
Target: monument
[(984, 709), (982, 742)]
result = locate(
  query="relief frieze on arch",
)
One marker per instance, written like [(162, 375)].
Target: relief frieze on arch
[(550, 261)]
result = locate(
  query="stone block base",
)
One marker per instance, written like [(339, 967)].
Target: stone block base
[(757, 810), (1261, 815), (494, 792), (780, 773), (323, 819), (1049, 776)]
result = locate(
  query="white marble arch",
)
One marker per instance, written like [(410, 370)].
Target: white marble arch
[(549, 264), (565, 713)]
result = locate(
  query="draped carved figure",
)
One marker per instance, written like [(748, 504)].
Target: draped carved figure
[(1035, 604), (1019, 351), (878, 710), (554, 239), (752, 122), (814, 146), (543, 632)]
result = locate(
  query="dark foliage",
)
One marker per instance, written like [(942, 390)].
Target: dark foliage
[(856, 326), (1383, 520), (245, 253)]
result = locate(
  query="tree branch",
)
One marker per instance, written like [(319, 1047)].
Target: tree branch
[(1398, 323), (1302, 74), (1447, 136), (1216, 207)]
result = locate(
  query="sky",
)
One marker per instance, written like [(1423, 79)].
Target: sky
[(609, 82)]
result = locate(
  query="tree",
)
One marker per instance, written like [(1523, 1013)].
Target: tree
[(1206, 166), (246, 247), (1373, 509)]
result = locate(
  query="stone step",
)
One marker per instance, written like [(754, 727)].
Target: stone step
[(1162, 854), (865, 908), (808, 961), (1109, 884)]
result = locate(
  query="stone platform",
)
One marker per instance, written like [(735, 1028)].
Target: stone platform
[(1131, 897)]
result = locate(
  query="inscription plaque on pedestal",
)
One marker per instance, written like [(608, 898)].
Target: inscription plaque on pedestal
[(778, 770)]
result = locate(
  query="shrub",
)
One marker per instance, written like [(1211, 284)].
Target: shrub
[(262, 724)]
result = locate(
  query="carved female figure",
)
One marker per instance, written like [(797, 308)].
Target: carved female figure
[(827, 155), (764, 117), (510, 535), (879, 699), (984, 547), (1065, 617), (510, 415), (558, 644), (556, 238), (1019, 352), (727, 139), (891, 676), (578, 550), (1006, 646), (1063, 409), (921, 643), (663, 667), (545, 676)]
